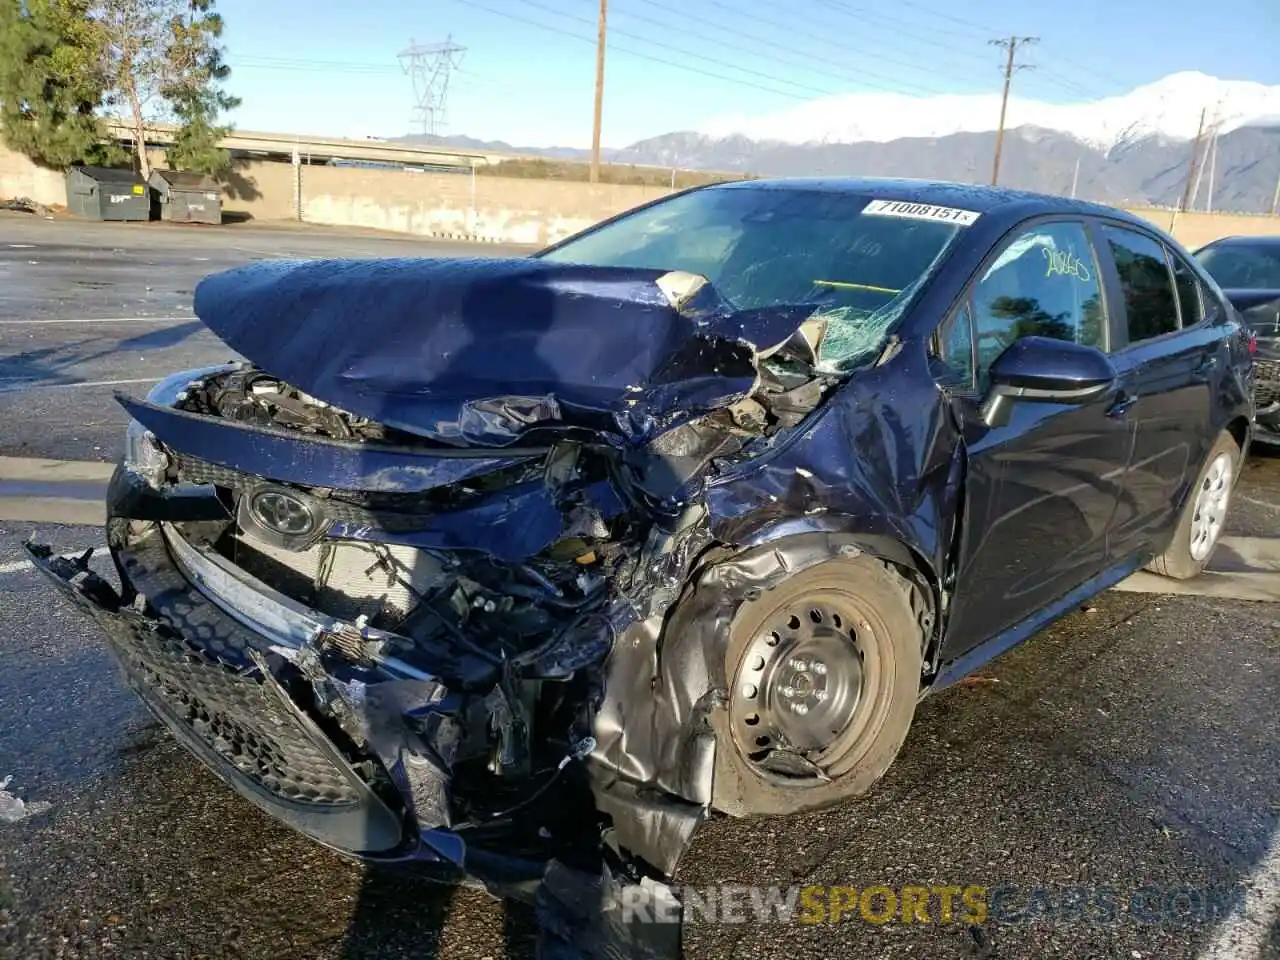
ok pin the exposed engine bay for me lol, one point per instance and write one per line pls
(525, 630)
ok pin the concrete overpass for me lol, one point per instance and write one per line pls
(281, 146)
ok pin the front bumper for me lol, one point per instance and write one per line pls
(230, 699)
(213, 685)
(234, 697)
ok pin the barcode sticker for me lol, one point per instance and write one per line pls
(920, 211)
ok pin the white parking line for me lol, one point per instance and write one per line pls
(26, 566)
(19, 386)
(1244, 934)
(11, 323)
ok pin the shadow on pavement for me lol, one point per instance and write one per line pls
(399, 916)
(51, 365)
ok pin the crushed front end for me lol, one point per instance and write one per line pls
(402, 642)
(389, 700)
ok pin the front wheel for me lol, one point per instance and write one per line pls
(824, 673)
(1203, 515)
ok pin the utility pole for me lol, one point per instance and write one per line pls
(1191, 169)
(1075, 179)
(595, 127)
(1275, 198)
(1011, 45)
(1213, 170)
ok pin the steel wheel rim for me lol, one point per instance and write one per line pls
(1209, 511)
(805, 687)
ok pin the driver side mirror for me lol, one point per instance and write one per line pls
(1041, 369)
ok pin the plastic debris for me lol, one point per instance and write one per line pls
(13, 809)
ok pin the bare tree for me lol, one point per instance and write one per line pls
(135, 61)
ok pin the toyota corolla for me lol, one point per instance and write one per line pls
(524, 566)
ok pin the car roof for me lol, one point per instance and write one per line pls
(967, 196)
(1267, 241)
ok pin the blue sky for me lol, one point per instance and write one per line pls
(329, 66)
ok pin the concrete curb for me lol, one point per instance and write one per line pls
(54, 471)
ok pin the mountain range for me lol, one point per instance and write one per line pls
(1133, 148)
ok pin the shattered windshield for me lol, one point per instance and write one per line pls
(857, 261)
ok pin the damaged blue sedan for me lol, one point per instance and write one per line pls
(521, 567)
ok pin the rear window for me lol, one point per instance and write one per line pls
(1243, 266)
(1149, 297)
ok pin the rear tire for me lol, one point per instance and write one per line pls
(823, 673)
(1203, 515)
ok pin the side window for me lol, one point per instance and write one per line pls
(955, 349)
(1045, 284)
(1188, 287)
(1146, 281)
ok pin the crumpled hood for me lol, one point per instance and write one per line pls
(481, 351)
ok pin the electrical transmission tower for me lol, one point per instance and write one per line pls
(429, 66)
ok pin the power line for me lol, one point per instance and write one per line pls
(808, 57)
(820, 91)
(843, 45)
(1111, 81)
(1011, 45)
(1070, 85)
(508, 15)
(312, 66)
(985, 31)
(862, 16)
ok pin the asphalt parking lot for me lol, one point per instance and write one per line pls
(1128, 752)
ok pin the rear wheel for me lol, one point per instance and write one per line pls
(1203, 515)
(824, 672)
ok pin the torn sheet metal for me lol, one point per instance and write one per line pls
(511, 524)
(825, 477)
(482, 351)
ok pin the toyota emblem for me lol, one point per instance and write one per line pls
(283, 513)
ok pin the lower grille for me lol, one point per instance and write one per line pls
(235, 713)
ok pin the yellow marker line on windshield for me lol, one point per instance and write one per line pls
(854, 286)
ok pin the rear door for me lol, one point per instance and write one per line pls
(1166, 354)
(1040, 491)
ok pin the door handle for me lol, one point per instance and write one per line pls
(1120, 406)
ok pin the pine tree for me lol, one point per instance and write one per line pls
(51, 82)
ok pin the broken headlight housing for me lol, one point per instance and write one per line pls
(143, 454)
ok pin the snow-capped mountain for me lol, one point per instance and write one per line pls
(1169, 107)
(1129, 149)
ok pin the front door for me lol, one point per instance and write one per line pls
(1040, 490)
